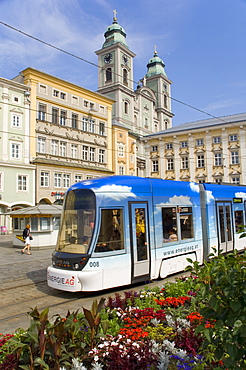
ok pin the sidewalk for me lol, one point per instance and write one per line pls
(17, 266)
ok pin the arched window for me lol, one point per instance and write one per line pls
(126, 107)
(125, 79)
(108, 74)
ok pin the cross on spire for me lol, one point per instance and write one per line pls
(115, 12)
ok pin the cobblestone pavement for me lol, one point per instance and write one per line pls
(17, 266)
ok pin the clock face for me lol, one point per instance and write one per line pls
(125, 59)
(108, 57)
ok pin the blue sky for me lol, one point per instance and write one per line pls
(202, 43)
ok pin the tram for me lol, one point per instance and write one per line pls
(120, 230)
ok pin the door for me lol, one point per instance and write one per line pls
(225, 226)
(140, 248)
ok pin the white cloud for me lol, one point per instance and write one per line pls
(179, 200)
(194, 187)
(210, 196)
(240, 195)
(116, 192)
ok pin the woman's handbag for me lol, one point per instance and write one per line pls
(30, 237)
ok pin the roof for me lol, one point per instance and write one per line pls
(235, 118)
(42, 209)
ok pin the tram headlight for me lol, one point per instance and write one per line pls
(53, 263)
(76, 266)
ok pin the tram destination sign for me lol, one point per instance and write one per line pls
(237, 200)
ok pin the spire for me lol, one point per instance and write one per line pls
(155, 65)
(115, 33)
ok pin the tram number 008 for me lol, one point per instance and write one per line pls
(94, 264)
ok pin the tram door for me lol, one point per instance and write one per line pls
(140, 248)
(225, 226)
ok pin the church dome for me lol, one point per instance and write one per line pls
(155, 66)
(115, 33)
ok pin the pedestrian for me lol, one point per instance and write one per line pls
(27, 237)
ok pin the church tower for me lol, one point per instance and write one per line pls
(115, 75)
(157, 80)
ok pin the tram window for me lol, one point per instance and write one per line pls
(169, 223)
(186, 223)
(111, 231)
(238, 219)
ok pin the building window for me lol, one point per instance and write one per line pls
(217, 140)
(92, 126)
(66, 180)
(74, 120)
(57, 180)
(62, 149)
(101, 128)
(41, 145)
(165, 101)
(233, 137)
(185, 163)
(200, 161)
(1, 181)
(184, 144)
(108, 74)
(146, 122)
(101, 155)
(235, 180)
(218, 181)
(42, 89)
(75, 100)
(125, 77)
(154, 148)
(84, 124)
(22, 183)
(16, 121)
(56, 93)
(92, 106)
(155, 166)
(92, 154)
(126, 107)
(85, 153)
(63, 117)
(218, 159)
(41, 112)
(63, 95)
(121, 170)
(86, 103)
(77, 178)
(120, 151)
(169, 146)
(55, 115)
(74, 150)
(15, 151)
(54, 147)
(234, 158)
(199, 142)
(44, 179)
(170, 164)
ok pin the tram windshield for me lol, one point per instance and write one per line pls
(77, 223)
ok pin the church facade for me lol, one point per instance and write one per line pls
(140, 108)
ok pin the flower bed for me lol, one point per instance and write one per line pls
(197, 322)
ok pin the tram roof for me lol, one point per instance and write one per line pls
(137, 185)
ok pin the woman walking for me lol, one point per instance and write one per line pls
(27, 237)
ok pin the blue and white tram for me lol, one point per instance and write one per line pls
(120, 230)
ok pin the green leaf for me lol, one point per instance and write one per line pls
(235, 305)
(207, 334)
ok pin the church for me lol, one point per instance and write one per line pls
(137, 111)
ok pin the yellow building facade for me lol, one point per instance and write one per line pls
(70, 133)
(204, 151)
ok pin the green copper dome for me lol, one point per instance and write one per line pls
(155, 66)
(115, 33)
